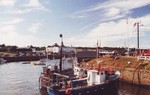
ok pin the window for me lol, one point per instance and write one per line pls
(97, 73)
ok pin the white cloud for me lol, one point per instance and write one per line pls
(121, 4)
(35, 4)
(23, 7)
(7, 2)
(12, 22)
(113, 33)
(112, 12)
(35, 27)
(111, 8)
(145, 23)
(6, 29)
(7, 26)
(13, 38)
(19, 11)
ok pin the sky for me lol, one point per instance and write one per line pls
(81, 22)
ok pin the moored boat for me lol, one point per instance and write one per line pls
(56, 80)
(77, 81)
(26, 62)
(37, 63)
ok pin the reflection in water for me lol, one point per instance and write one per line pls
(130, 89)
(23, 79)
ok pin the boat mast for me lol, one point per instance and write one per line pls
(60, 65)
(97, 50)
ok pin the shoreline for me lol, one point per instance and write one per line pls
(23, 58)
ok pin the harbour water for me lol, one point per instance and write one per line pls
(23, 79)
(19, 79)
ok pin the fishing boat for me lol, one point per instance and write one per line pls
(26, 62)
(55, 80)
(77, 81)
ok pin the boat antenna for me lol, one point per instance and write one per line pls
(60, 65)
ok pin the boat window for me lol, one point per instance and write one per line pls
(102, 73)
(97, 73)
(85, 71)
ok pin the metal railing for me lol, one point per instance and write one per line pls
(143, 57)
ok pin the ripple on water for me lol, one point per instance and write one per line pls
(19, 79)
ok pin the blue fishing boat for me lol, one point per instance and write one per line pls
(75, 80)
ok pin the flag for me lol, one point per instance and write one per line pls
(134, 24)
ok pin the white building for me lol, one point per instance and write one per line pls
(56, 49)
(38, 51)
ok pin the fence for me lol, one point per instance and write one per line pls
(143, 57)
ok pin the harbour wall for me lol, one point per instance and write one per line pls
(80, 57)
(135, 76)
(23, 58)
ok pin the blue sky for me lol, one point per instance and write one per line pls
(82, 22)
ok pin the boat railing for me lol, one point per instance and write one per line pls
(45, 81)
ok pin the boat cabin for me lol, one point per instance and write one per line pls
(80, 72)
(92, 76)
(96, 77)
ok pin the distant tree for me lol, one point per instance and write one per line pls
(3, 45)
(43, 48)
(56, 45)
(30, 46)
(13, 48)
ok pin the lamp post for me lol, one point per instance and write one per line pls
(138, 47)
(60, 65)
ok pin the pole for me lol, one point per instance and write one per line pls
(127, 37)
(97, 50)
(138, 39)
(60, 65)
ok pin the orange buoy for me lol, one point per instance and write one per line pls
(68, 91)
